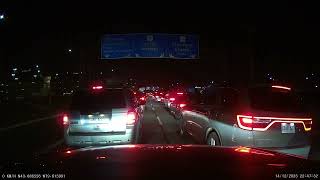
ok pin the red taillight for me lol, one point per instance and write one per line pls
(182, 105)
(142, 98)
(65, 119)
(97, 87)
(172, 99)
(131, 118)
(244, 122)
(264, 123)
(101, 157)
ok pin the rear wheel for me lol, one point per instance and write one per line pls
(213, 139)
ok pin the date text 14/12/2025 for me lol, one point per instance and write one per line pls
(296, 176)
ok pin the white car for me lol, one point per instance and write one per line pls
(102, 117)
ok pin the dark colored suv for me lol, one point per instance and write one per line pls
(271, 117)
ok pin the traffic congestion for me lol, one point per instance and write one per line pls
(264, 116)
(102, 91)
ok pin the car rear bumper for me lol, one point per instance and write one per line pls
(87, 139)
(302, 151)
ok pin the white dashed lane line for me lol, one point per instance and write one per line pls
(161, 126)
(159, 121)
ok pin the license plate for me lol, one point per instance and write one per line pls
(97, 119)
(288, 128)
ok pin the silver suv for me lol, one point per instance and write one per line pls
(102, 117)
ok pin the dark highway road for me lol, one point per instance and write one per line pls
(45, 132)
(160, 127)
(27, 135)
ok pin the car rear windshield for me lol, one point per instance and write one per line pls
(99, 101)
(270, 99)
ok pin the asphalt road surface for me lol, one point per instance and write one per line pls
(23, 134)
(43, 133)
(160, 127)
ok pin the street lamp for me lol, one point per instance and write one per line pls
(1, 17)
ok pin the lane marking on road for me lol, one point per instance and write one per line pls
(161, 127)
(27, 123)
(159, 121)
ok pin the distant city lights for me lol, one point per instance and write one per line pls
(307, 78)
(14, 69)
(2, 17)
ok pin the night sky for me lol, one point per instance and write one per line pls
(281, 38)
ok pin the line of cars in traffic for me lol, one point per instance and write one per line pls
(252, 120)
(264, 116)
